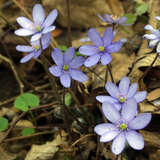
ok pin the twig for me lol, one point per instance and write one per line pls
(22, 115)
(14, 71)
(95, 74)
(69, 24)
(110, 72)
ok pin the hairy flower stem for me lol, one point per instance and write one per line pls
(69, 23)
(110, 72)
(148, 69)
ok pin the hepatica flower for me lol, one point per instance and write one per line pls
(123, 126)
(115, 20)
(35, 49)
(40, 24)
(66, 67)
(101, 48)
(121, 94)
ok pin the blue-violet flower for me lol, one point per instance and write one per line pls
(40, 24)
(66, 67)
(121, 94)
(123, 126)
(101, 48)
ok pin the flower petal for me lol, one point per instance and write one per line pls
(92, 60)
(157, 17)
(158, 48)
(140, 96)
(45, 40)
(56, 71)
(122, 20)
(108, 36)
(24, 48)
(95, 37)
(36, 37)
(106, 59)
(48, 29)
(78, 75)
(109, 99)
(149, 36)
(38, 14)
(132, 90)
(50, 18)
(57, 57)
(108, 19)
(27, 57)
(37, 53)
(77, 62)
(108, 136)
(135, 140)
(149, 27)
(114, 47)
(65, 80)
(110, 112)
(140, 122)
(100, 129)
(102, 18)
(119, 144)
(25, 23)
(153, 43)
(112, 89)
(68, 55)
(124, 85)
(88, 50)
(23, 32)
(129, 109)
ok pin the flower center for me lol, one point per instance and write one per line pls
(101, 48)
(123, 126)
(36, 47)
(122, 99)
(65, 67)
(38, 28)
(115, 17)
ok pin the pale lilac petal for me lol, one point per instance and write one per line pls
(57, 57)
(45, 40)
(157, 17)
(129, 109)
(78, 75)
(92, 60)
(50, 18)
(88, 50)
(124, 85)
(106, 58)
(119, 144)
(77, 62)
(38, 14)
(149, 27)
(150, 36)
(23, 32)
(95, 37)
(108, 36)
(118, 106)
(68, 55)
(158, 48)
(112, 89)
(108, 19)
(27, 57)
(25, 23)
(114, 47)
(132, 90)
(56, 71)
(153, 43)
(48, 29)
(109, 99)
(110, 112)
(37, 53)
(103, 19)
(140, 96)
(135, 140)
(140, 122)
(122, 20)
(65, 80)
(108, 136)
(35, 43)
(100, 129)
(23, 48)
(36, 37)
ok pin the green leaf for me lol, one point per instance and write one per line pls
(131, 18)
(26, 101)
(78, 54)
(141, 8)
(63, 48)
(3, 124)
(27, 131)
(68, 99)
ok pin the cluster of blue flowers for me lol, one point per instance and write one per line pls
(120, 108)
